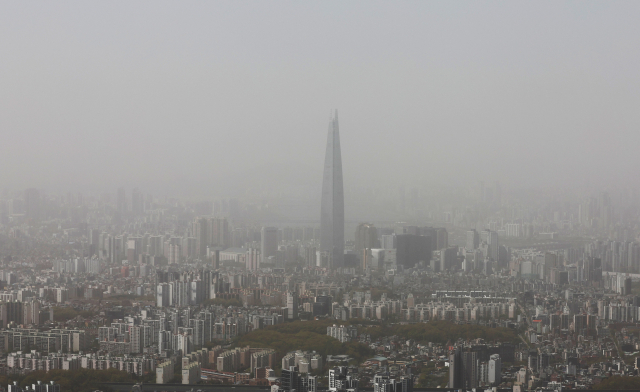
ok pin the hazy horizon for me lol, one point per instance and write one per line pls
(225, 98)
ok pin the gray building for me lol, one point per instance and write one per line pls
(473, 240)
(332, 203)
(495, 369)
(269, 243)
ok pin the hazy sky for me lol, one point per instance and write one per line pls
(197, 96)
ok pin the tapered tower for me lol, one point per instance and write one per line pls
(332, 204)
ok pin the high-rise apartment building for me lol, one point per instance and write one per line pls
(211, 232)
(292, 305)
(495, 369)
(219, 232)
(252, 259)
(201, 233)
(342, 333)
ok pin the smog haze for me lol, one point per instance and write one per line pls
(205, 99)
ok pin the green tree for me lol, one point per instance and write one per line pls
(619, 382)
(303, 335)
(80, 380)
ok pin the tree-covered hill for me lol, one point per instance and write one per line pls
(303, 335)
(619, 382)
(312, 336)
(442, 332)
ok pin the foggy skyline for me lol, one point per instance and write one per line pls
(231, 99)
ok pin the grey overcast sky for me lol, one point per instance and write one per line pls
(201, 96)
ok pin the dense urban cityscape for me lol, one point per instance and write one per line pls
(490, 294)
(330, 196)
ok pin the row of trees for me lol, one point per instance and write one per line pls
(81, 380)
(442, 331)
(619, 382)
(67, 313)
(224, 302)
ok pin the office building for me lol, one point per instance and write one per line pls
(269, 243)
(292, 305)
(463, 369)
(492, 242)
(341, 380)
(32, 204)
(366, 238)
(388, 241)
(473, 240)
(448, 259)
(332, 202)
(412, 249)
(201, 233)
(122, 202)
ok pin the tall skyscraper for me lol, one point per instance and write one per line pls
(473, 240)
(448, 258)
(332, 204)
(388, 241)
(442, 238)
(463, 369)
(411, 249)
(201, 232)
(292, 305)
(32, 203)
(456, 376)
(494, 247)
(137, 202)
(366, 237)
(470, 369)
(252, 259)
(495, 369)
(122, 202)
(219, 232)
(269, 243)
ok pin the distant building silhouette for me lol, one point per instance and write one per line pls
(332, 203)
(32, 204)
(366, 237)
(411, 249)
(122, 202)
(269, 243)
(473, 240)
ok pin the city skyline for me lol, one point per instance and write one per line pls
(173, 209)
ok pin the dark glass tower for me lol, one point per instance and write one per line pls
(332, 204)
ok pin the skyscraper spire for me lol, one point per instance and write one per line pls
(332, 203)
